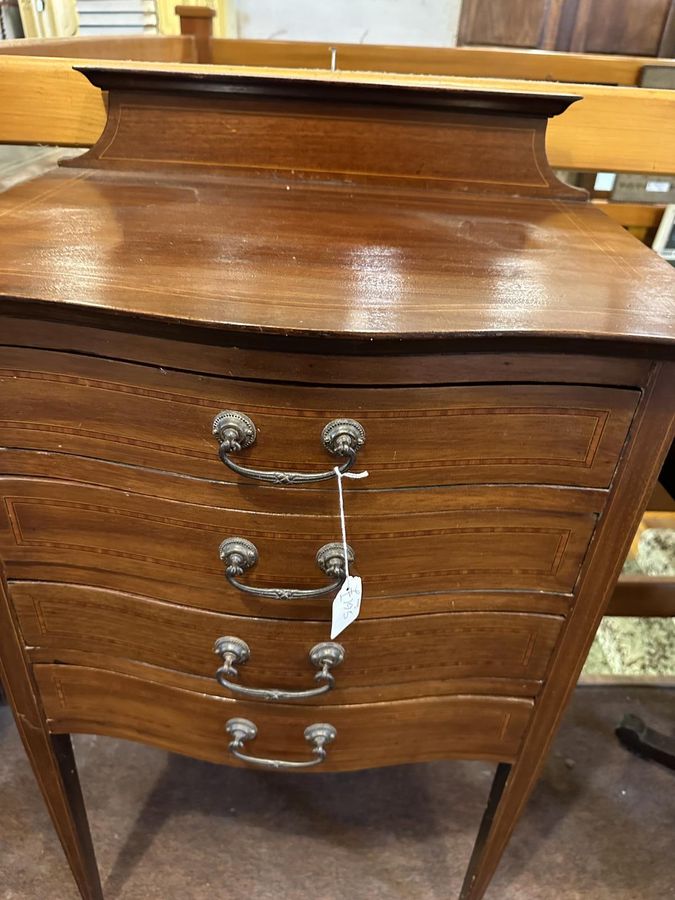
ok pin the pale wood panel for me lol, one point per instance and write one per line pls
(645, 215)
(44, 101)
(475, 62)
(151, 47)
(620, 129)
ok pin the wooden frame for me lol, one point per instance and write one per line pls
(463, 62)
(621, 129)
(472, 62)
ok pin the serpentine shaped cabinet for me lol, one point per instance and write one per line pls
(246, 283)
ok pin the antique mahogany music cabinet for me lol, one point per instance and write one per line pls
(248, 282)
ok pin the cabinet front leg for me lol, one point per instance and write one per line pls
(51, 756)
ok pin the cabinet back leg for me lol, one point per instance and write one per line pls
(480, 857)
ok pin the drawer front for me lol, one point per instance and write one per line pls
(407, 656)
(95, 701)
(59, 527)
(162, 419)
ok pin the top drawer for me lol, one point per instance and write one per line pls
(162, 419)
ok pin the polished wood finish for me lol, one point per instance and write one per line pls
(154, 297)
(434, 137)
(625, 129)
(385, 659)
(549, 434)
(652, 438)
(313, 232)
(370, 734)
(53, 526)
(248, 355)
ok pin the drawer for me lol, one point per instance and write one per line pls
(60, 531)
(96, 701)
(384, 658)
(420, 436)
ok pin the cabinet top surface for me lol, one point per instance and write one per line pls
(279, 254)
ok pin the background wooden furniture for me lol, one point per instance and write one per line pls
(627, 27)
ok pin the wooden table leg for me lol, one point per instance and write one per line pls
(51, 756)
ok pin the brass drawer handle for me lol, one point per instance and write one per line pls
(240, 555)
(242, 730)
(235, 432)
(233, 650)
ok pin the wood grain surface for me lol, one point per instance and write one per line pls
(576, 69)
(619, 129)
(416, 655)
(49, 525)
(504, 488)
(293, 361)
(162, 419)
(475, 62)
(334, 260)
(435, 138)
(372, 734)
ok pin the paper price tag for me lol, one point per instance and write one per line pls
(346, 605)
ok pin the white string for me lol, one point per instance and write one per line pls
(340, 475)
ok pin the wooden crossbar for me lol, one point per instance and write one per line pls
(620, 129)
(472, 62)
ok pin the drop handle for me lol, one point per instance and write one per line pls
(235, 432)
(233, 650)
(239, 555)
(318, 735)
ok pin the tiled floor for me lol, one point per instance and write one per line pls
(599, 826)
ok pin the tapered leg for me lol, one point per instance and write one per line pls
(652, 436)
(478, 854)
(51, 756)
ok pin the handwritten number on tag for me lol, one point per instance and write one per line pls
(346, 605)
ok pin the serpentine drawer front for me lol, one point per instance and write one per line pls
(200, 353)
(162, 419)
(78, 698)
(140, 542)
(416, 655)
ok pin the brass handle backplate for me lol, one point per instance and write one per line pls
(235, 431)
